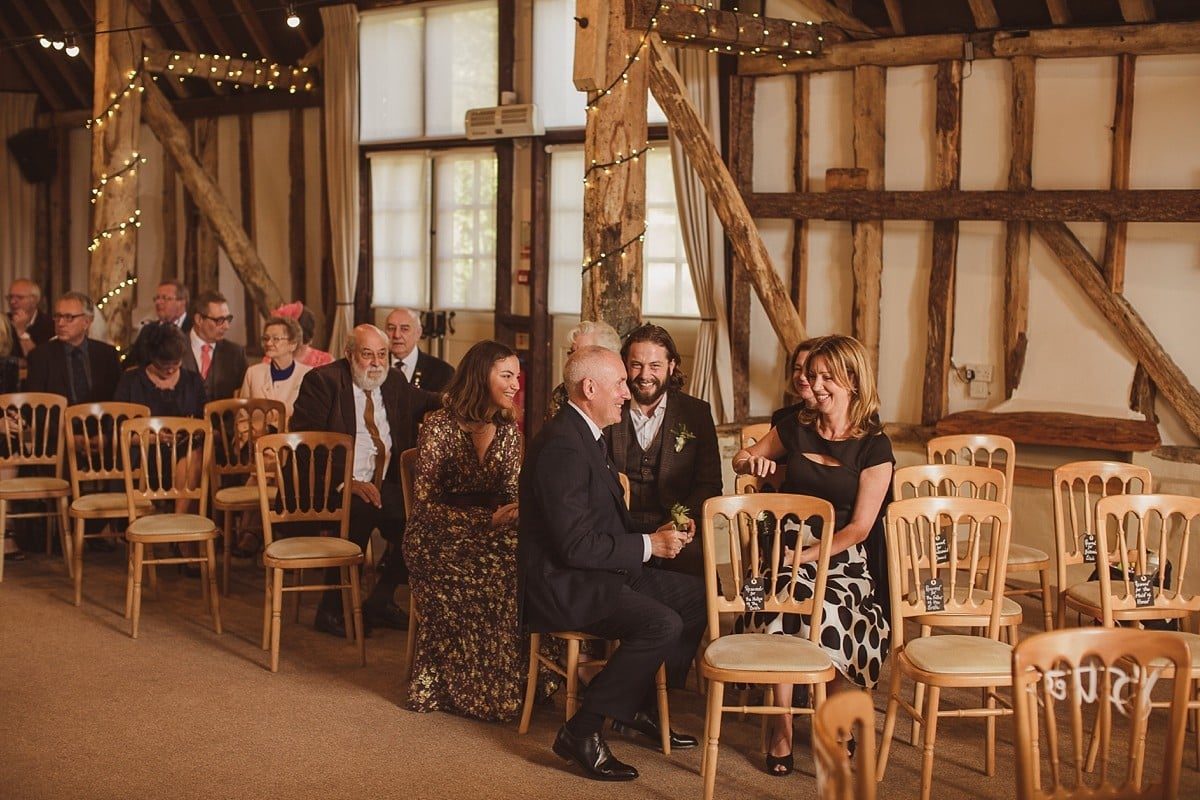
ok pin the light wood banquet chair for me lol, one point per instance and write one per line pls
(759, 658)
(1091, 688)
(999, 452)
(311, 475)
(408, 467)
(94, 456)
(1077, 488)
(845, 715)
(926, 590)
(32, 436)
(165, 460)
(753, 433)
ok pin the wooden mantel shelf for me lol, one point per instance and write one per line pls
(1058, 429)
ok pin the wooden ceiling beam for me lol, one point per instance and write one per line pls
(1060, 12)
(152, 39)
(851, 25)
(58, 58)
(45, 88)
(241, 71)
(177, 16)
(216, 32)
(1137, 10)
(64, 18)
(254, 25)
(726, 31)
(895, 16)
(984, 14)
(196, 107)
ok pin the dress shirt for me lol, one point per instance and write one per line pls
(198, 349)
(364, 448)
(646, 427)
(408, 364)
(647, 550)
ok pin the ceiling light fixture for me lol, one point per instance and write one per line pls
(293, 19)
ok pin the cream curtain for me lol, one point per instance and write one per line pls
(340, 79)
(704, 242)
(18, 199)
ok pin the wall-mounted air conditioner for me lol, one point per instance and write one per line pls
(504, 122)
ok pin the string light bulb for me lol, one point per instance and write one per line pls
(293, 19)
(72, 47)
(44, 42)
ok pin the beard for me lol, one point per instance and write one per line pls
(365, 380)
(647, 396)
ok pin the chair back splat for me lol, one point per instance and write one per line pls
(844, 716)
(167, 459)
(312, 476)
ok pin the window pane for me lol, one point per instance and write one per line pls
(390, 74)
(566, 231)
(465, 265)
(461, 64)
(399, 229)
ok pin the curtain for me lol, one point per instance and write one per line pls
(340, 78)
(704, 242)
(18, 199)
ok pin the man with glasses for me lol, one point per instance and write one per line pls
(29, 324)
(170, 307)
(81, 369)
(220, 362)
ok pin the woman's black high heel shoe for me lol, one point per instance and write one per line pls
(780, 766)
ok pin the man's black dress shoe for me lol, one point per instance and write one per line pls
(591, 753)
(386, 615)
(331, 622)
(647, 726)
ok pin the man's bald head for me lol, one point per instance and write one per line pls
(594, 378)
(367, 352)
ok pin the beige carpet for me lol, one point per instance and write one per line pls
(87, 712)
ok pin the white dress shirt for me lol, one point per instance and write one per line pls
(408, 364)
(646, 427)
(647, 550)
(364, 448)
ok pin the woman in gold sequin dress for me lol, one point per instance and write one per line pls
(461, 544)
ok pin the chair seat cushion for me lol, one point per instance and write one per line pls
(1193, 643)
(952, 654)
(300, 547)
(766, 652)
(1020, 555)
(171, 525)
(107, 501)
(1088, 594)
(12, 487)
(1008, 611)
(241, 495)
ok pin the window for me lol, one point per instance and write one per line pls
(666, 282)
(451, 263)
(422, 68)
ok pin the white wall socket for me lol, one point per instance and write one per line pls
(978, 390)
(979, 372)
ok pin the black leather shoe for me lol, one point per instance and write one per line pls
(386, 615)
(331, 622)
(591, 753)
(647, 726)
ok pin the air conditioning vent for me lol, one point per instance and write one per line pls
(504, 122)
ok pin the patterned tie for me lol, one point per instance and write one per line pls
(205, 360)
(373, 429)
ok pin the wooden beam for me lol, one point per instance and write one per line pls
(740, 32)
(851, 25)
(246, 211)
(866, 257)
(1162, 38)
(1181, 455)
(1016, 233)
(1056, 429)
(60, 216)
(207, 194)
(228, 69)
(212, 23)
(254, 25)
(799, 277)
(151, 38)
(1044, 205)
(740, 152)
(1060, 12)
(179, 17)
(297, 241)
(207, 269)
(984, 14)
(1143, 394)
(170, 222)
(671, 94)
(935, 397)
(1173, 383)
(895, 16)
(541, 377)
(1137, 10)
(1122, 130)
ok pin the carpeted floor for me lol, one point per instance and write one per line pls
(87, 712)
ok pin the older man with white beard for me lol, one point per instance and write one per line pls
(361, 396)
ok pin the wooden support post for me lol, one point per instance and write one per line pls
(1122, 129)
(60, 224)
(113, 141)
(207, 269)
(614, 200)
(1172, 383)
(170, 222)
(297, 240)
(1143, 394)
(866, 260)
(935, 402)
(1016, 233)
(246, 171)
(207, 194)
(895, 16)
(740, 154)
(984, 14)
(1137, 10)
(541, 376)
(799, 278)
(671, 94)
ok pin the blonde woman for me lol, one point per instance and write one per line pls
(279, 377)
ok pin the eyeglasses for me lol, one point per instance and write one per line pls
(275, 339)
(66, 317)
(12, 297)
(227, 319)
(165, 298)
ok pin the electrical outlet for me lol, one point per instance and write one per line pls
(979, 372)
(979, 390)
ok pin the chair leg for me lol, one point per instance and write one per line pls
(712, 733)
(572, 677)
(266, 629)
(664, 711)
(347, 613)
(137, 588)
(889, 722)
(77, 576)
(296, 606)
(65, 538)
(410, 640)
(1047, 608)
(535, 646)
(3, 531)
(918, 703)
(128, 579)
(276, 609)
(214, 597)
(226, 552)
(931, 719)
(989, 754)
(49, 535)
(356, 603)
(151, 570)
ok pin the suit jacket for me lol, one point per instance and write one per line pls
(326, 403)
(430, 373)
(50, 372)
(689, 476)
(42, 329)
(227, 371)
(575, 545)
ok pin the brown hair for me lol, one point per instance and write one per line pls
(851, 367)
(468, 398)
(655, 334)
(789, 369)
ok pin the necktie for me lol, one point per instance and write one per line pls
(79, 378)
(205, 360)
(373, 430)
(603, 445)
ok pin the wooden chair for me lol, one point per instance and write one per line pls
(845, 715)
(1078, 487)
(236, 424)
(308, 489)
(165, 459)
(919, 585)
(753, 433)
(1060, 676)
(408, 467)
(94, 456)
(999, 452)
(32, 436)
(760, 658)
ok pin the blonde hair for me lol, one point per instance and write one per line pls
(850, 366)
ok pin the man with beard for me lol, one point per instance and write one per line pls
(361, 396)
(665, 443)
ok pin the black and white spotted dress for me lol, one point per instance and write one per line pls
(854, 621)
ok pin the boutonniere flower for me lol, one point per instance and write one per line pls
(416, 379)
(682, 435)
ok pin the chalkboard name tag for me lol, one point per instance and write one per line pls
(1143, 590)
(941, 548)
(754, 594)
(935, 595)
(1089, 548)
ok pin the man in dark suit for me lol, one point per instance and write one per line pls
(583, 568)
(81, 369)
(220, 362)
(30, 325)
(170, 306)
(665, 443)
(403, 327)
(361, 396)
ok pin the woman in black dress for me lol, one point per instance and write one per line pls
(161, 383)
(836, 450)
